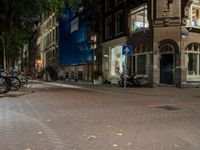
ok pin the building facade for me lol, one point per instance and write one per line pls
(165, 35)
(48, 56)
(78, 37)
(115, 31)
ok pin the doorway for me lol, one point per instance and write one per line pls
(166, 68)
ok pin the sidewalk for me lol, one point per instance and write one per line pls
(168, 91)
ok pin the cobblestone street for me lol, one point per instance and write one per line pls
(74, 117)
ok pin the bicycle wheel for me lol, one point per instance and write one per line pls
(5, 85)
(15, 83)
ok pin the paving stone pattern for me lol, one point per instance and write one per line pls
(56, 118)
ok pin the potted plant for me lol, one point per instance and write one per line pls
(97, 77)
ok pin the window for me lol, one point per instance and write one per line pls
(117, 2)
(119, 22)
(138, 19)
(194, 16)
(140, 60)
(108, 27)
(117, 61)
(193, 59)
(166, 49)
(108, 4)
(192, 64)
(141, 64)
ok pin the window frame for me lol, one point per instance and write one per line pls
(117, 2)
(135, 63)
(189, 20)
(107, 36)
(107, 7)
(143, 7)
(112, 66)
(193, 51)
(116, 23)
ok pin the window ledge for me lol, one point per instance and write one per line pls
(193, 28)
(120, 33)
(137, 32)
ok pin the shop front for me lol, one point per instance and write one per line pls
(113, 60)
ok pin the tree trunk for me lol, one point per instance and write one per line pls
(4, 51)
(6, 40)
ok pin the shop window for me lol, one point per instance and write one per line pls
(193, 59)
(117, 61)
(119, 22)
(108, 27)
(138, 19)
(194, 17)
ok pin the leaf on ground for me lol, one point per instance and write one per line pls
(91, 137)
(39, 132)
(119, 134)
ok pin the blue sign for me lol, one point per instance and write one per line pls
(127, 50)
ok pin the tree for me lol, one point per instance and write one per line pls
(17, 19)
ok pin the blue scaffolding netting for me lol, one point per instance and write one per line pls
(74, 47)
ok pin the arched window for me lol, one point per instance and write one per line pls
(193, 59)
(166, 48)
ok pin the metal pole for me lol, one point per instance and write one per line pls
(125, 72)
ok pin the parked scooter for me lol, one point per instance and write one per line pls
(130, 81)
(134, 81)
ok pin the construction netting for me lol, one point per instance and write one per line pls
(74, 47)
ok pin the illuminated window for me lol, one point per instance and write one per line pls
(117, 61)
(138, 19)
(194, 17)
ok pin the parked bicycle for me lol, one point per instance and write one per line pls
(5, 84)
(15, 83)
(25, 79)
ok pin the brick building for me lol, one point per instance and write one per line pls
(165, 35)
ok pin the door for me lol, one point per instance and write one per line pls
(166, 68)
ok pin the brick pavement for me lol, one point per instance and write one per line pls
(100, 118)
